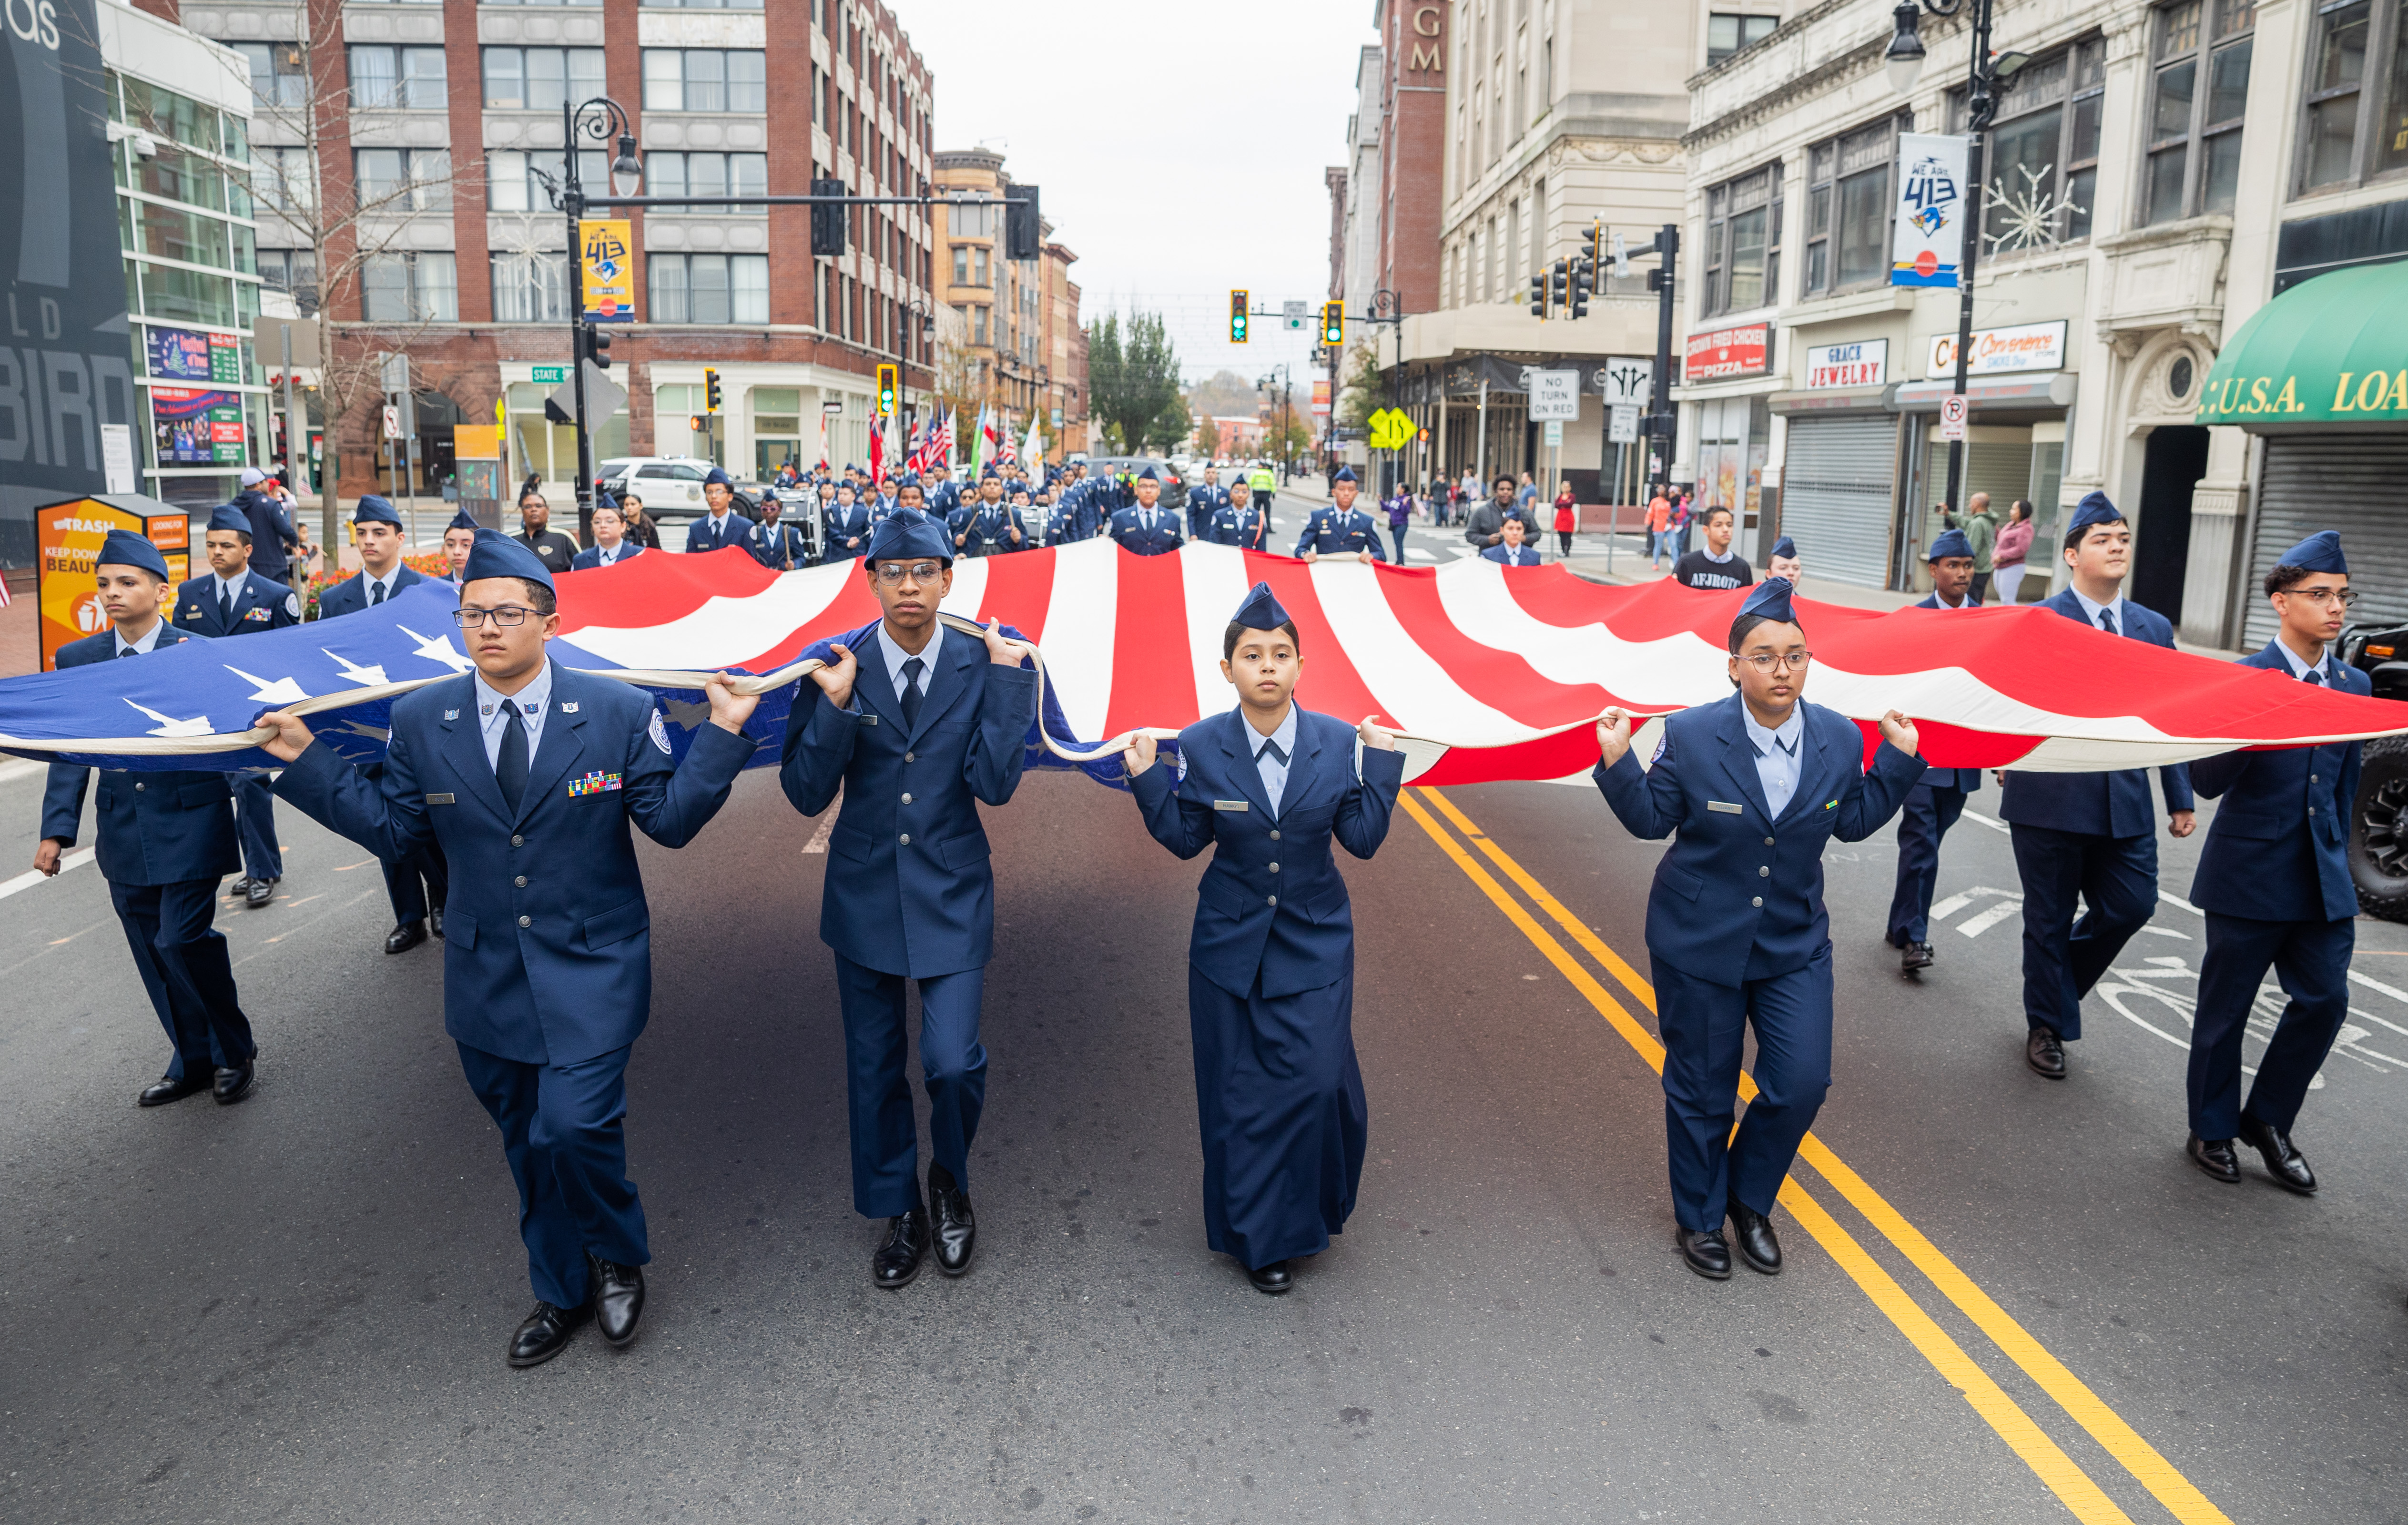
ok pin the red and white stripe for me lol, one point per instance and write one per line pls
(1491, 674)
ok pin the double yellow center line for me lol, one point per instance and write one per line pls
(2064, 1477)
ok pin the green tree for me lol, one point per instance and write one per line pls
(1208, 437)
(1133, 381)
(1170, 427)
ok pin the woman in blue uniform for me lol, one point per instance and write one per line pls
(1270, 963)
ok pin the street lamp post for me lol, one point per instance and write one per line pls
(599, 118)
(1988, 76)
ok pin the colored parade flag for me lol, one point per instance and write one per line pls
(1033, 454)
(941, 438)
(1488, 672)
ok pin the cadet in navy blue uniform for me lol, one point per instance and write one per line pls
(2274, 882)
(2087, 833)
(1086, 505)
(778, 546)
(415, 886)
(233, 600)
(941, 495)
(723, 526)
(1511, 551)
(1783, 560)
(918, 725)
(530, 775)
(1205, 499)
(1270, 962)
(610, 545)
(848, 526)
(271, 528)
(1144, 529)
(1342, 530)
(1754, 787)
(459, 538)
(1938, 799)
(165, 842)
(1245, 523)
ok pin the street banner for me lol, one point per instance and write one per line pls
(607, 245)
(1930, 242)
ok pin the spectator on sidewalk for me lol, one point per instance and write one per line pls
(1660, 529)
(1566, 517)
(1981, 528)
(1717, 565)
(2012, 545)
(1400, 514)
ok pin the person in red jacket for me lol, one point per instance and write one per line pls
(1566, 517)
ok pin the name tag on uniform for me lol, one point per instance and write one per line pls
(1229, 804)
(1726, 807)
(868, 719)
(441, 799)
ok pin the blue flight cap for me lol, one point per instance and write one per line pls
(1770, 599)
(123, 548)
(604, 500)
(1785, 547)
(720, 477)
(461, 520)
(1261, 610)
(907, 535)
(2094, 508)
(1345, 473)
(1951, 543)
(374, 510)
(495, 555)
(990, 471)
(2319, 552)
(226, 516)
(1147, 475)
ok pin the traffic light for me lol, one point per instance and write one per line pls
(886, 392)
(1538, 296)
(1560, 284)
(827, 220)
(1584, 283)
(1237, 317)
(1024, 236)
(1333, 324)
(597, 347)
(710, 391)
(1593, 245)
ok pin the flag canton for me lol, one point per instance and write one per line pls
(593, 783)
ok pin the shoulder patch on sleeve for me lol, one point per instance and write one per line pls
(293, 605)
(660, 734)
(1663, 742)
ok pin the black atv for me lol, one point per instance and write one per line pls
(2378, 838)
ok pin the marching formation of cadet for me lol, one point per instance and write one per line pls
(1938, 799)
(235, 600)
(1342, 530)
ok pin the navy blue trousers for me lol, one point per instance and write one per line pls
(255, 805)
(564, 1133)
(1705, 1033)
(415, 883)
(1279, 1101)
(183, 960)
(952, 1064)
(2064, 957)
(2311, 959)
(1922, 821)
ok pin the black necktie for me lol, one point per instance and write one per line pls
(2107, 621)
(127, 651)
(376, 593)
(1272, 748)
(2313, 675)
(912, 694)
(510, 769)
(225, 604)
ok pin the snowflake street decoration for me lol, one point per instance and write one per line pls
(2030, 217)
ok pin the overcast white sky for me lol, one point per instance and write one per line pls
(1179, 149)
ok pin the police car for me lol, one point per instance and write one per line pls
(2378, 834)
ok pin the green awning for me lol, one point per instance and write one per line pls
(2333, 350)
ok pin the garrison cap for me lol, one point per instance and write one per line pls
(2319, 552)
(719, 477)
(1261, 610)
(1148, 475)
(1785, 547)
(1769, 599)
(2094, 508)
(373, 509)
(226, 516)
(1345, 473)
(123, 548)
(908, 534)
(460, 521)
(495, 555)
(1950, 542)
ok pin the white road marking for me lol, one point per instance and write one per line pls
(75, 860)
(1977, 815)
(1982, 920)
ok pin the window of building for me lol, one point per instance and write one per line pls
(705, 80)
(961, 265)
(389, 181)
(979, 325)
(406, 78)
(708, 175)
(1742, 263)
(512, 185)
(541, 78)
(976, 219)
(284, 179)
(548, 2)
(277, 76)
(1726, 35)
(182, 177)
(2357, 125)
(1848, 209)
(2199, 94)
(532, 287)
(708, 5)
(2043, 149)
(293, 271)
(173, 234)
(708, 288)
(409, 288)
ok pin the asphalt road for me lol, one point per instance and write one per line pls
(2006, 1297)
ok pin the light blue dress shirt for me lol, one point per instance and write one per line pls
(1776, 757)
(895, 656)
(534, 702)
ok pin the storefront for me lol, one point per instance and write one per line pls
(2021, 396)
(1839, 475)
(1728, 384)
(2316, 375)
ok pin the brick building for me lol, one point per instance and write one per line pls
(1025, 352)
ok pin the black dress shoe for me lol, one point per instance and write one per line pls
(896, 1264)
(405, 935)
(240, 887)
(167, 1089)
(1757, 1244)
(1273, 1279)
(616, 1293)
(956, 1229)
(545, 1333)
(2283, 1162)
(234, 1083)
(1914, 957)
(435, 921)
(2045, 1053)
(258, 892)
(1708, 1253)
(2214, 1157)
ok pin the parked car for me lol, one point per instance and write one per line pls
(669, 483)
(2378, 817)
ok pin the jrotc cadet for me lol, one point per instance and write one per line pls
(778, 546)
(2274, 882)
(233, 600)
(165, 839)
(529, 774)
(1343, 530)
(1014, 533)
(1782, 560)
(1736, 932)
(980, 516)
(723, 526)
(2087, 834)
(1510, 551)
(824, 503)
(459, 538)
(1144, 529)
(941, 494)
(888, 497)
(1938, 799)
(610, 545)
(918, 727)
(848, 526)
(1270, 961)
(273, 534)
(1205, 499)
(415, 886)
(1242, 523)
(1085, 505)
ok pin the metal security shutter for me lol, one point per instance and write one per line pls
(2348, 483)
(1836, 484)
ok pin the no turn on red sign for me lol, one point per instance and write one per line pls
(1953, 410)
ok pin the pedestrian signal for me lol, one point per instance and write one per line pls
(710, 391)
(886, 392)
(1237, 317)
(697, 424)
(1333, 324)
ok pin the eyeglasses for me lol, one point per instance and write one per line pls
(507, 616)
(2321, 596)
(1766, 661)
(891, 572)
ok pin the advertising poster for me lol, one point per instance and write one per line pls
(607, 247)
(1717, 354)
(1931, 210)
(70, 536)
(197, 427)
(190, 355)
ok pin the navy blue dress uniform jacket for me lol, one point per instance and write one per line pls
(271, 531)
(590, 559)
(351, 595)
(1967, 779)
(844, 524)
(1330, 533)
(1134, 537)
(1734, 878)
(1524, 554)
(260, 603)
(780, 547)
(990, 531)
(2257, 862)
(2100, 804)
(702, 535)
(1202, 504)
(1087, 514)
(909, 890)
(1292, 926)
(154, 829)
(1249, 530)
(547, 954)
